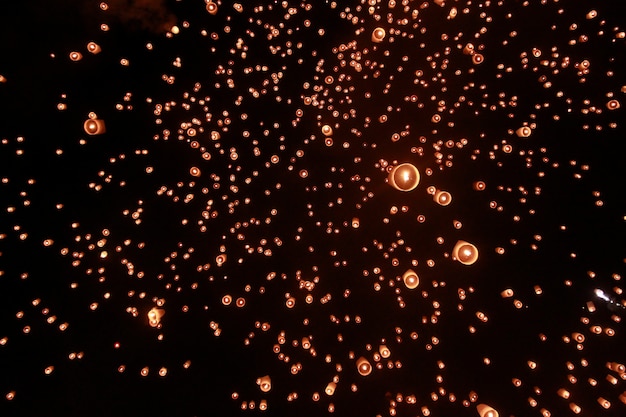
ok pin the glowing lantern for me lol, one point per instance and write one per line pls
(94, 48)
(211, 7)
(378, 35)
(465, 252)
(76, 56)
(363, 366)
(384, 351)
(523, 132)
(330, 388)
(264, 383)
(443, 198)
(486, 411)
(94, 126)
(411, 280)
(327, 130)
(477, 59)
(356, 222)
(154, 316)
(404, 177)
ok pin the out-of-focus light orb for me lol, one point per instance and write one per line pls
(94, 126)
(384, 351)
(76, 56)
(411, 280)
(211, 7)
(465, 252)
(443, 198)
(480, 186)
(486, 411)
(378, 35)
(155, 315)
(523, 132)
(264, 383)
(363, 366)
(330, 388)
(94, 48)
(404, 177)
(478, 59)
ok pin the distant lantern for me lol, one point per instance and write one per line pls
(154, 316)
(94, 48)
(327, 130)
(76, 56)
(330, 388)
(94, 126)
(486, 411)
(523, 132)
(211, 7)
(363, 366)
(384, 351)
(411, 280)
(477, 59)
(404, 177)
(465, 252)
(264, 383)
(378, 35)
(443, 198)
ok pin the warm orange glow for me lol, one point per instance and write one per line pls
(486, 411)
(404, 177)
(154, 316)
(411, 280)
(523, 132)
(443, 198)
(94, 126)
(211, 7)
(264, 383)
(378, 35)
(465, 252)
(363, 366)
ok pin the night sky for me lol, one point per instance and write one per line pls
(204, 210)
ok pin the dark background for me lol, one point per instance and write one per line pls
(35, 41)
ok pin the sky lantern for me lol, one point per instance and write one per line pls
(264, 383)
(443, 198)
(465, 252)
(94, 126)
(378, 35)
(155, 315)
(363, 366)
(485, 410)
(404, 177)
(411, 280)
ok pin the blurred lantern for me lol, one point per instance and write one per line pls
(155, 315)
(363, 366)
(404, 177)
(486, 411)
(94, 126)
(378, 35)
(523, 132)
(443, 198)
(94, 48)
(411, 280)
(465, 252)
(264, 383)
